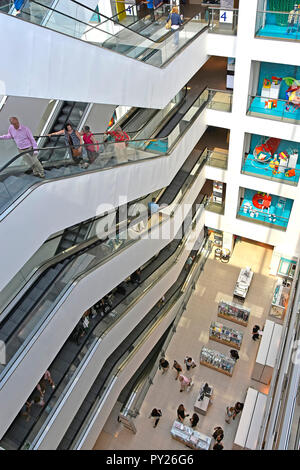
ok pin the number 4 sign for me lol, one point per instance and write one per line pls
(226, 16)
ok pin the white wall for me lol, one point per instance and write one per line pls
(99, 117)
(56, 205)
(42, 348)
(249, 49)
(48, 69)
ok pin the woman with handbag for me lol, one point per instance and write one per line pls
(174, 22)
(73, 141)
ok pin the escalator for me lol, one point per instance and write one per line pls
(71, 353)
(142, 42)
(58, 164)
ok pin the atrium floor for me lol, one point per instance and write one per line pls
(216, 283)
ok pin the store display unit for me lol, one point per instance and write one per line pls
(233, 312)
(204, 399)
(188, 436)
(243, 283)
(217, 361)
(280, 298)
(267, 352)
(222, 334)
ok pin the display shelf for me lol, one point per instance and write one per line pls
(228, 336)
(217, 361)
(267, 352)
(188, 436)
(280, 298)
(243, 283)
(233, 312)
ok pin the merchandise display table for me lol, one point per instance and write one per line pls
(233, 312)
(217, 361)
(250, 422)
(201, 406)
(222, 334)
(188, 436)
(267, 352)
(243, 283)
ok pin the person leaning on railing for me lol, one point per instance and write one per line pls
(73, 141)
(24, 140)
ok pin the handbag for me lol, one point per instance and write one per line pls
(169, 24)
(75, 152)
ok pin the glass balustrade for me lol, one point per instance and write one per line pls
(280, 25)
(219, 100)
(275, 109)
(222, 20)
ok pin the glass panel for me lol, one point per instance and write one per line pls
(218, 158)
(220, 100)
(276, 109)
(222, 20)
(280, 25)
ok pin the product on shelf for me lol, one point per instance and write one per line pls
(216, 360)
(223, 334)
(233, 312)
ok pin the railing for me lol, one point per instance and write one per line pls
(282, 110)
(217, 158)
(79, 267)
(280, 25)
(260, 217)
(252, 166)
(101, 330)
(215, 207)
(222, 20)
(219, 100)
(132, 44)
(108, 155)
(181, 297)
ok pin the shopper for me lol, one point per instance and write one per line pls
(48, 378)
(41, 387)
(18, 6)
(163, 364)
(135, 277)
(229, 414)
(176, 22)
(120, 138)
(234, 354)
(26, 411)
(150, 7)
(218, 446)
(178, 368)
(156, 414)
(26, 143)
(73, 141)
(189, 262)
(189, 363)
(181, 413)
(238, 407)
(153, 207)
(194, 420)
(39, 400)
(255, 331)
(185, 383)
(90, 144)
(218, 434)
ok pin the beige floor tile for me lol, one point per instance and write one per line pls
(216, 283)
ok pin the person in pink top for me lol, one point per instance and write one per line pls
(184, 382)
(25, 142)
(88, 138)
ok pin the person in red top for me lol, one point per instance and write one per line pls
(88, 138)
(119, 137)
